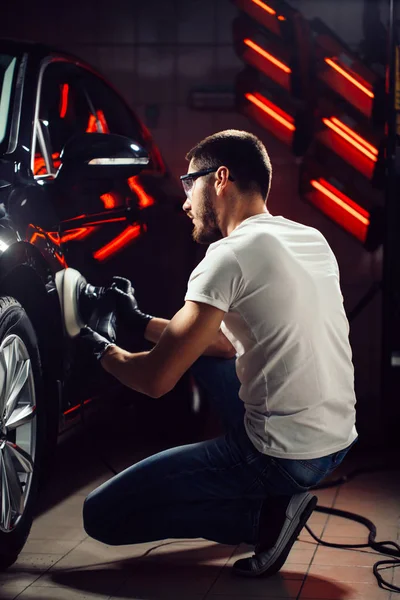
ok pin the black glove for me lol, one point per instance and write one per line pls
(127, 307)
(103, 319)
(101, 330)
(94, 343)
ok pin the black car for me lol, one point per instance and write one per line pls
(82, 185)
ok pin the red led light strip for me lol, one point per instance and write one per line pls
(271, 110)
(344, 202)
(353, 138)
(349, 77)
(265, 7)
(267, 55)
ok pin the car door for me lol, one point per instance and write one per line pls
(91, 213)
(162, 256)
(132, 226)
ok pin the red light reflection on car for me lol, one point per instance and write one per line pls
(144, 198)
(123, 239)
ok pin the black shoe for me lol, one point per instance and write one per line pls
(281, 521)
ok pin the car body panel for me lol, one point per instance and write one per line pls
(133, 227)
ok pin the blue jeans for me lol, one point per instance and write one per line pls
(212, 489)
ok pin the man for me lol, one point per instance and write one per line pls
(271, 287)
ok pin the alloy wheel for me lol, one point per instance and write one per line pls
(17, 430)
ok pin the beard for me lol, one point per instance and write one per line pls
(208, 231)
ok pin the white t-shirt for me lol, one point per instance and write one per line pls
(278, 283)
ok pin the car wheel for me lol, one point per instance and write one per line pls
(21, 427)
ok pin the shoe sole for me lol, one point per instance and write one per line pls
(268, 571)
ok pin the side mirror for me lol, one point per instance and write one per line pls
(101, 155)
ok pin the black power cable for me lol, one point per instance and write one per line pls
(381, 547)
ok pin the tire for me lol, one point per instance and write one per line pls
(22, 427)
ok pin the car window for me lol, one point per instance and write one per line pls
(73, 100)
(113, 113)
(64, 111)
(110, 109)
(7, 70)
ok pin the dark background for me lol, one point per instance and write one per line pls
(155, 52)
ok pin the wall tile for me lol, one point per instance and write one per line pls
(228, 64)
(157, 22)
(156, 74)
(164, 133)
(226, 11)
(117, 64)
(197, 22)
(195, 68)
(115, 23)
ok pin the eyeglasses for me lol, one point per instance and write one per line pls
(189, 179)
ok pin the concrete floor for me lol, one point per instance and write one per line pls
(59, 562)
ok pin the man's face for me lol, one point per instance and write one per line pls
(199, 206)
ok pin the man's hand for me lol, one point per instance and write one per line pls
(100, 333)
(132, 318)
(103, 319)
(183, 340)
(94, 343)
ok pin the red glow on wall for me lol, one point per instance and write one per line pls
(349, 77)
(109, 200)
(261, 12)
(265, 7)
(272, 110)
(144, 198)
(339, 207)
(352, 138)
(119, 242)
(64, 100)
(356, 137)
(267, 55)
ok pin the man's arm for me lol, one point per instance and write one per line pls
(219, 347)
(186, 337)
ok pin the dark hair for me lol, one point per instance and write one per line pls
(243, 153)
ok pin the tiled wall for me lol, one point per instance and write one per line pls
(155, 52)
